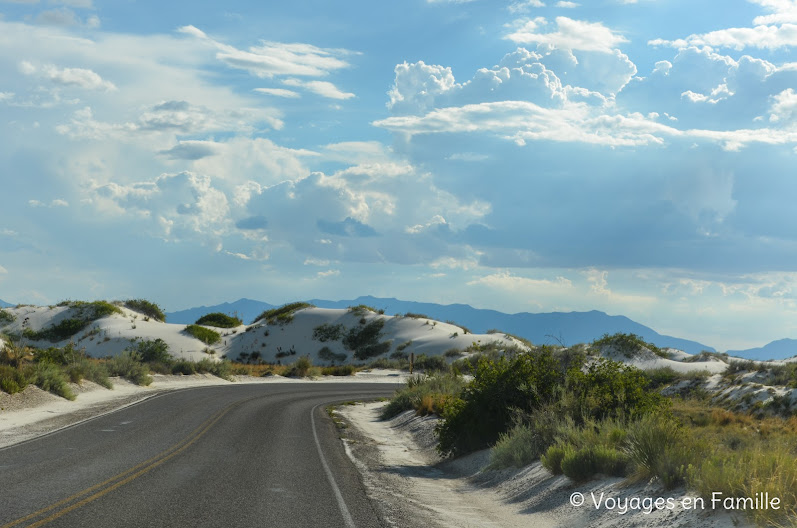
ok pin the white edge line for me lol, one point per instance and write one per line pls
(344, 510)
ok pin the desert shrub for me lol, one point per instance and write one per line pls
(340, 370)
(328, 332)
(527, 440)
(206, 335)
(6, 317)
(453, 353)
(326, 354)
(184, 367)
(51, 378)
(416, 315)
(152, 351)
(361, 310)
(147, 308)
(706, 355)
(301, 367)
(92, 370)
(484, 409)
(612, 389)
(438, 389)
(627, 344)
(662, 376)
(364, 341)
(15, 355)
(554, 455)
(653, 445)
(129, 366)
(12, 379)
(585, 462)
(431, 363)
(283, 314)
(385, 363)
(85, 314)
(465, 329)
(219, 320)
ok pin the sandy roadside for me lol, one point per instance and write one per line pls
(413, 487)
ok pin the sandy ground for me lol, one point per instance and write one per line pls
(34, 412)
(415, 488)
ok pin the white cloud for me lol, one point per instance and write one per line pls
(3, 271)
(271, 59)
(416, 86)
(81, 77)
(782, 11)
(322, 88)
(525, 5)
(663, 67)
(279, 92)
(569, 34)
(58, 202)
(567, 5)
(328, 273)
(784, 106)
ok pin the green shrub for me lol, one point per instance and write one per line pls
(283, 314)
(364, 341)
(416, 315)
(361, 310)
(152, 351)
(6, 317)
(206, 335)
(453, 353)
(51, 378)
(219, 320)
(300, 367)
(147, 308)
(85, 314)
(654, 444)
(84, 368)
(627, 344)
(613, 389)
(328, 332)
(12, 379)
(339, 370)
(438, 389)
(554, 455)
(484, 411)
(129, 366)
(326, 354)
(431, 363)
(527, 441)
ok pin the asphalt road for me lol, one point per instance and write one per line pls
(238, 455)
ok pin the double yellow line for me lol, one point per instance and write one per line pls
(117, 481)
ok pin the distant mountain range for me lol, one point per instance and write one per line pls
(4, 304)
(551, 328)
(780, 349)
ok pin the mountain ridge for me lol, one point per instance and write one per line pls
(566, 328)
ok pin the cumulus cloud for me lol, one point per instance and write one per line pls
(190, 150)
(784, 106)
(569, 34)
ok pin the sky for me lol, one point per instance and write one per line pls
(631, 156)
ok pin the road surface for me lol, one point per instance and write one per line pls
(227, 456)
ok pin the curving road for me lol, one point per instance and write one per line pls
(239, 455)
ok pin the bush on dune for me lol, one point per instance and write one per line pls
(147, 308)
(206, 335)
(219, 320)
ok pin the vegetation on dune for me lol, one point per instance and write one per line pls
(327, 354)
(283, 314)
(206, 335)
(85, 313)
(328, 332)
(147, 308)
(364, 340)
(627, 344)
(363, 309)
(582, 416)
(6, 317)
(219, 320)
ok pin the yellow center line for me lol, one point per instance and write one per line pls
(146, 465)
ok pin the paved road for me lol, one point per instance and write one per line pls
(239, 455)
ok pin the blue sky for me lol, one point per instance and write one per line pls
(635, 157)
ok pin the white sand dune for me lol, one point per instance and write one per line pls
(111, 335)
